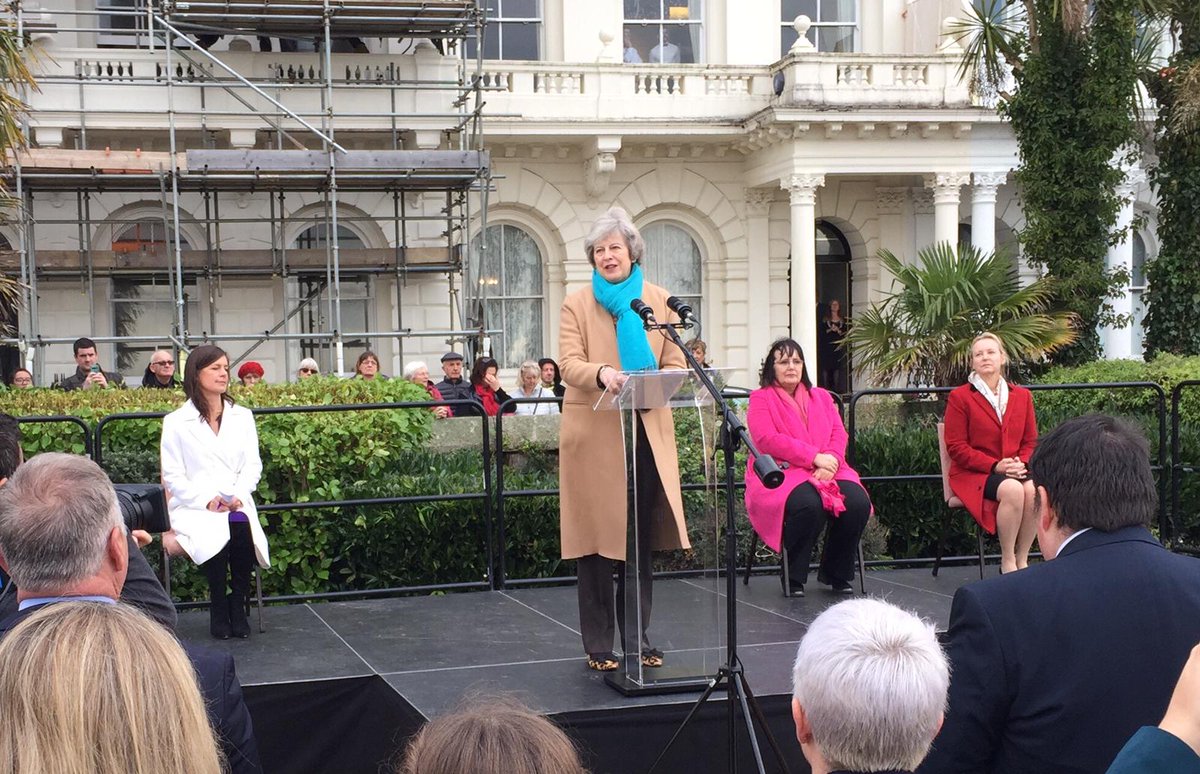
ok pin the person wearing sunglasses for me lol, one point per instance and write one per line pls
(160, 373)
(308, 367)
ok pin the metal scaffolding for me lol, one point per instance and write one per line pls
(296, 150)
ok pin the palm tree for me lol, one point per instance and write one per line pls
(923, 331)
(14, 77)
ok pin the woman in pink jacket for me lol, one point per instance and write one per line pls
(799, 425)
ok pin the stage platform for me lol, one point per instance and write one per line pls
(339, 686)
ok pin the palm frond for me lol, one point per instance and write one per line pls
(990, 36)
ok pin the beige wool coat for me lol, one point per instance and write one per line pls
(591, 450)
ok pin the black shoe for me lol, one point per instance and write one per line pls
(218, 622)
(795, 590)
(837, 586)
(239, 625)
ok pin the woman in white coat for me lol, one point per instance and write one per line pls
(210, 466)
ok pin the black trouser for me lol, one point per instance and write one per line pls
(597, 605)
(803, 519)
(234, 561)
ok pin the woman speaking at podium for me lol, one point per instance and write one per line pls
(601, 338)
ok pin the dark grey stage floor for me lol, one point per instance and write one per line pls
(436, 650)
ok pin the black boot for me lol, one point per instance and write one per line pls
(239, 624)
(218, 613)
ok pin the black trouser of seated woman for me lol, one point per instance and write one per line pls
(803, 520)
(227, 612)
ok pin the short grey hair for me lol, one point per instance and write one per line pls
(530, 366)
(56, 514)
(615, 221)
(308, 362)
(872, 680)
(414, 366)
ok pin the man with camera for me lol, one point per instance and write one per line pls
(88, 373)
(62, 537)
(142, 588)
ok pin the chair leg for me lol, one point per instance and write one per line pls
(750, 558)
(979, 535)
(258, 596)
(941, 546)
(862, 570)
(787, 579)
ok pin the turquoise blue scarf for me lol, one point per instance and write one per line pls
(632, 345)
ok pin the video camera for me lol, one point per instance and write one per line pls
(143, 506)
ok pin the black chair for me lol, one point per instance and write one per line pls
(171, 547)
(783, 559)
(952, 504)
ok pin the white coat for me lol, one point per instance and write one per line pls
(198, 465)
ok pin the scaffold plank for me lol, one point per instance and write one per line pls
(264, 261)
(428, 18)
(118, 162)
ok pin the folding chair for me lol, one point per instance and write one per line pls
(171, 547)
(783, 558)
(952, 504)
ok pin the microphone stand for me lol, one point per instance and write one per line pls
(731, 675)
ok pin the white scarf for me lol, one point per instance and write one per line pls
(998, 399)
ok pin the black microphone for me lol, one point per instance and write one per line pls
(645, 312)
(686, 315)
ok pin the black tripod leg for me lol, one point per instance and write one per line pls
(739, 680)
(722, 676)
(747, 696)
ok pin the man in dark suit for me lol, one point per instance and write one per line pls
(62, 538)
(1055, 666)
(142, 588)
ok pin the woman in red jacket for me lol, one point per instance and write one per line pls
(990, 433)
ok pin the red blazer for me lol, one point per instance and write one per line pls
(976, 440)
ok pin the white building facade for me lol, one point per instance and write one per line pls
(764, 167)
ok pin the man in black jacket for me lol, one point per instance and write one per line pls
(454, 386)
(87, 373)
(62, 538)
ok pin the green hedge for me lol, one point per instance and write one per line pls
(373, 454)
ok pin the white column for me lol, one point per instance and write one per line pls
(1118, 342)
(894, 234)
(803, 191)
(758, 276)
(945, 187)
(983, 209)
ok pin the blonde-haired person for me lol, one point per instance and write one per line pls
(491, 736)
(529, 385)
(141, 708)
(991, 432)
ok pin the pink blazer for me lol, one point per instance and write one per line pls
(777, 430)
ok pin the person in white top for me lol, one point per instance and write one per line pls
(529, 386)
(211, 467)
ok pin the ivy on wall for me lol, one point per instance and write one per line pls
(1073, 115)
(1173, 318)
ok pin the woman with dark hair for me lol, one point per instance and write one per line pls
(799, 425)
(487, 386)
(551, 378)
(211, 467)
(22, 379)
(367, 366)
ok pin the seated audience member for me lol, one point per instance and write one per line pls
(160, 374)
(62, 538)
(142, 710)
(454, 386)
(991, 431)
(529, 376)
(487, 386)
(869, 689)
(1053, 668)
(88, 373)
(308, 367)
(417, 372)
(799, 425)
(22, 379)
(251, 373)
(367, 366)
(1172, 747)
(492, 736)
(142, 588)
(699, 351)
(551, 378)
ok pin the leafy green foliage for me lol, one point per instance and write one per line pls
(1072, 111)
(1173, 297)
(923, 331)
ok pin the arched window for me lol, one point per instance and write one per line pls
(147, 235)
(673, 261)
(314, 293)
(511, 280)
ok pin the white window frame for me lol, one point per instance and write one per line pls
(500, 21)
(506, 362)
(663, 23)
(818, 24)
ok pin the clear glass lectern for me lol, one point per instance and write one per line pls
(688, 609)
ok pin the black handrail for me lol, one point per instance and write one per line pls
(83, 426)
